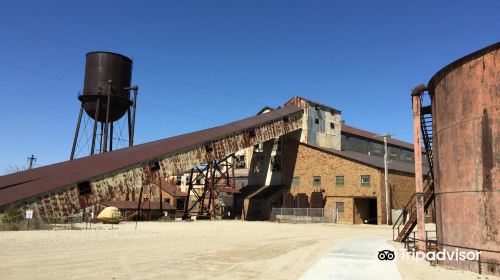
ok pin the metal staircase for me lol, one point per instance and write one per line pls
(406, 222)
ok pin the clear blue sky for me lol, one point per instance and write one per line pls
(204, 63)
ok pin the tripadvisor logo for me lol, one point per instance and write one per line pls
(387, 253)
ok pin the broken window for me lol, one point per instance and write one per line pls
(317, 181)
(84, 188)
(316, 121)
(239, 161)
(339, 181)
(365, 180)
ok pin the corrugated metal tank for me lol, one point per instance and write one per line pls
(466, 120)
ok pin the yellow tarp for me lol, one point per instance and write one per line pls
(110, 215)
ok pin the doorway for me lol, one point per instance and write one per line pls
(365, 211)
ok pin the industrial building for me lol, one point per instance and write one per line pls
(312, 159)
(300, 156)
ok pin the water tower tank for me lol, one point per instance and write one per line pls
(106, 72)
(466, 134)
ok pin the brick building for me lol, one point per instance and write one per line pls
(352, 183)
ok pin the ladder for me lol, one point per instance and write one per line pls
(406, 222)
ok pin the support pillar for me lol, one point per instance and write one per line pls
(419, 189)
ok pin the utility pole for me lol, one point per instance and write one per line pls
(31, 159)
(386, 176)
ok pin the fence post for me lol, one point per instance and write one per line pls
(479, 261)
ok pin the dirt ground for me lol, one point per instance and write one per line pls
(184, 250)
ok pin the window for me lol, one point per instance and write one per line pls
(178, 180)
(316, 181)
(296, 181)
(365, 180)
(339, 181)
(251, 133)
(332, 125)
(209, 148)
(84, 188)
(153, 191)
(276, 163)
(154, 165)
(167, 200)
(339, 206)
(316, 121)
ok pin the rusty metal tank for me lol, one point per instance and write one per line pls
(288, 201)
(106, 72)
(301, 200)
(466, 132)
(316, 200)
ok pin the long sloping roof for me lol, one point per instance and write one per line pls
(132, 205)
(371, 135)
(374, 161)
(30, 183)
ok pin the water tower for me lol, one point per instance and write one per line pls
(106, 98)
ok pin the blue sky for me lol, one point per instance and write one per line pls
(205, 63)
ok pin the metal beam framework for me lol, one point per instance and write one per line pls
(204, 184)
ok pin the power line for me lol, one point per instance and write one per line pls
(37, 73)
(162, 74)
(200, 86)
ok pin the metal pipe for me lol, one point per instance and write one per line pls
(105, 142)
(73, 148)
(129, 123)
(386, 184)
(111, 137)
(96, 115)
(131, 141)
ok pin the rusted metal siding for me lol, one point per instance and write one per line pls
(466, 121)
(115, 184)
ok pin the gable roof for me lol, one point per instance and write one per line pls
(367, 134)
(373, 161)
(171, 189)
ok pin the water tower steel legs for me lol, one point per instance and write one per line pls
(76, 133)
(106, 129)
